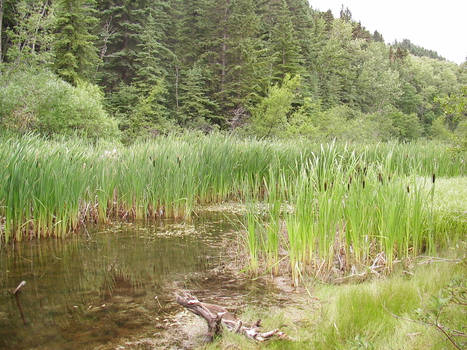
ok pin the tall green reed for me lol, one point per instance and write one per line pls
(52, 187)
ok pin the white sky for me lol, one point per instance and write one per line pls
(433, 24)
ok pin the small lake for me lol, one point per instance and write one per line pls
(112, 286)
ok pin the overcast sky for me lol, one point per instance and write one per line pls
(434, 24)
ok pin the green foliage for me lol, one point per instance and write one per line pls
(269, 117)
(39, 101)
(31, 38)
(454, 107)
(149, 116)
(303, 121)
(142, 53)
(196, 108)
(247, 71)
(378, 84)
(407, 126)
(75, 53)
(283, 44)
(338, 59)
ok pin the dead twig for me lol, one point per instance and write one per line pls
(16, 294)
(217, 316)
(436, 324)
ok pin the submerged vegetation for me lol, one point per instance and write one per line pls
(327, 205)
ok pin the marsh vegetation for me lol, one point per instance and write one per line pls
(336, 159)
(311, 213)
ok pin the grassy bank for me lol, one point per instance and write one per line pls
(398, 312)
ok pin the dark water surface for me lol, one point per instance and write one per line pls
(92, 291)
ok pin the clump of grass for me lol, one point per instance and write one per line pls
(348, 219)
(378, 313)
(385, 313)
(252, 238)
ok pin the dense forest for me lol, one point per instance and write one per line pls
(269, 68)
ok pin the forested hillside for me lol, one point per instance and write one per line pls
(269, 68)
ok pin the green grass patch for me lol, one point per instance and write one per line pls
(363, 316)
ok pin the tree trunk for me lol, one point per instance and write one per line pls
(34, 39)
(177, 77)
(1, 30)
(224, 45)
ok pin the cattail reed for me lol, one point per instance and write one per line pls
(45, 193)
(380, 178)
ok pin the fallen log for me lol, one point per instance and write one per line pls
(217, 316)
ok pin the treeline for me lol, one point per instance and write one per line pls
(269, 68)
(416, 50)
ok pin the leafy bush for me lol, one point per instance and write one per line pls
(407, 126)
(269, 117)
(341, 122)
(42, 102)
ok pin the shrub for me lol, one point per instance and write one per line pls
(269, 117)
(407, 126)
(41, 102)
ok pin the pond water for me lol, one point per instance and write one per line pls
(109, 287)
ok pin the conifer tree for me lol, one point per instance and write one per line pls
(303, 26)
(75, 53)
(196, 108)
(150, 65)
(377, 36)
(152, 54)
(283, 44)
(246, 75)
(125, 19)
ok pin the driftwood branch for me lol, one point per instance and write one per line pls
(18, 289)
(217, 316)
(16, 294)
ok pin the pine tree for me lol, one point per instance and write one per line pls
(151, 67)
(75, 53)
(121, 23)
(152, 54)
(329, 18)
(377, 36)
(247, 62)
(303, 26)
(337, 64)
(196, 108)
(345, 14)
(188, 20)
(283, 45)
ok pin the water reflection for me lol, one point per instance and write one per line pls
(87, 291)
